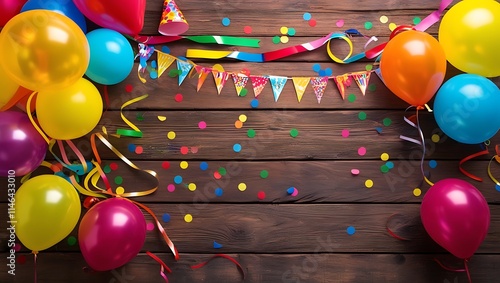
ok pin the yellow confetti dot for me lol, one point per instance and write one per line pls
(368, 183)
(120, 190)
(392, 26)
(284, 39)
(171, 135)
(384, 19)
(435, 138)
(188, 218)
(242, 186)
(184, 164)
(192, 187)
(417, 192)
(162, 118)
(242, 118)
(283, 30)
(384, 156)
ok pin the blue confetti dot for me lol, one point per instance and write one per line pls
(131, 147)
(153, 75)
(203, 166)
(237, 147)
(217, 245)
(322, 73)
(290, 190)
(497, 187)
(219, 192)
(351, 230)
(254, 103)
(165, 49)
(178, 179)
(182, 58)
(226, 22)
(389, 164)
(153, 64)
(307, 16)
(328, 72)
(316, 67)
(432, 163)
(165, 217)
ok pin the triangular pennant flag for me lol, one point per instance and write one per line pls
(258, 84)
(144, 54)
(342, 82)
(319, 86)
(362, 79)
(202, 75)
(220, 77)
(300, 84)
(184, 67)
(164, 61)
(379, 74)
(278, 83)
(240, 81)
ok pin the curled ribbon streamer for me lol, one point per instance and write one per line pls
(466, 269)
(163, 266)
(391, 232)
(434, 17)
(135, 132)
(28, 107)
(238, 265)
(467, 158)
(497, 159)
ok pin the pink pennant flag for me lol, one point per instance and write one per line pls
(258, 84)
(202, 75)
(319, 86)
(342, 82)
(240, 81)
(362, 79)
(300, 84)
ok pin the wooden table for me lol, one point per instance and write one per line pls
(335, 229)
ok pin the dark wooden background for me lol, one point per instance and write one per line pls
(281, 238)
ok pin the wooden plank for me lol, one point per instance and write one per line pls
(292, 228)
(286, 268)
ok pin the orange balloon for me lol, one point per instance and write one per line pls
(413, 66)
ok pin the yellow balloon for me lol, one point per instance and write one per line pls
(71, 112)
(47, 210)
(7, 87)
(43, 50)
(470, 35)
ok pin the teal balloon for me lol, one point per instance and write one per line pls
(111, 57)
(466, 108)
(64, 7)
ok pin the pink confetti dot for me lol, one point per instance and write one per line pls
(362, 151)
(261, 195)
(139, 149)
(202, 125)
(178, 97)
(295, 192)
(194, 149)
(345, 133)
(184, 150)
(17, 247)
(171, 188)
(355, 171)
(340, 23)
(247, 29)
(150, 226)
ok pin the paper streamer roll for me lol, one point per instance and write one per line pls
(172, 20)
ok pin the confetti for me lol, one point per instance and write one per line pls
(497, 187)
(345, 133)
(131, 147)
(368, 25)
(247, 29)
(237, 147)
(387, 122)
(355, 172)
(217, 245)
(264, 174)
(203, 166)
(219, 192)
(389, 164)
(251, 133)
(350, 230)
(165, 217)
(290, 190)
(178, 97)
(165, 49)
(261, 195)
(307, 16)
(316, 67)
(362, 151)
(291, 31)
(222, 171)
(238, 124)
(184, 150)
(351, 97)
(417, 192)
(416, 20)
(276, 39)
(392, 26)
(194, 149)
(162, 118)
(294, 133)
(184, 164)
(368, 183)
(432, 163)
(384, 156)
(362, 116)
(192, 187)
(254, 103)
(369, 67)
(139, 149)
(284, 30)
(295, 192)
(202, 125)
(71, 240)
(384, 19)
(328, 72)
(435, 138)
(339, 23)
(106, 169)
(129, 88)
(312, 22)
(384, 169)
(243, 92)
(378, 129)
(150, 226)
(171, 188)
(171, 135)
(120, 190)
(188, 218)
(118, 180)
(178, 179)
(217, 175)
(372, 87)
(242, 118)
(284, 39)
(226, 22)
(242, 186)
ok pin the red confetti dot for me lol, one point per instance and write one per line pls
(217, 175)
(178, 97)
(139, 149)
(129, 88)
(247, 29)
(21, 259)
(261, 195)
(184, 149)
(312, 22)
(113, 166)
(165, 165)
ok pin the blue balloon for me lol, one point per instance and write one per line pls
(111, 57)
(466, 108)
(64, 7)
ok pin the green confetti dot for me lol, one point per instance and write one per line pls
(264, 174)
(140, 116)
(106, 169)
(294, 133)
(222, 171)
(372, 87)
(351, 97)
(369, 67)
(368, 25)
(251, 133)
(173, 73)
(118, 180)
(416, 20)
(71, 240)
(243, 92)
(362, 116)
(276, 39)
(384, 168)
(387, 122)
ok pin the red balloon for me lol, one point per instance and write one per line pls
(8, 9)
(124, 16)
(111, 233)
(456, 216)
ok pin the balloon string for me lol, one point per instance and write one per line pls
(467, 270)
(163, 266)
(238, 265)
(467, 158)
(106, 97)
(28, 107)
(394, 235)
(448, 268)
(496, 157)
(35, 255)
(423, 152)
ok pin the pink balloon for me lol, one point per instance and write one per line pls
(8, 9)
(456, 216)
(111, 233)
(124, 16)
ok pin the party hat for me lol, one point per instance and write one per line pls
(172, 20)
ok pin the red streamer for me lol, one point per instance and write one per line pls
(467, 158)
(466, 269)
(163, 266)
(240, 268)
(391, 232)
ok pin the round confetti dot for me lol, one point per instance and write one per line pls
(276, 39)
(192, 187)
(283, 30)
(139, 149)
(368, 183)
(362, 151)
(345, 133)
(184, 164)
(389, 164)
(165, 165)
(435, 138)
(219, 192)
(290, 190)
(71, 240)
(237, 147)
(497, 187)
(238, 124)
(294, 133)
(328, 72)
(242, 186)
(369, 67)
(226, 22)
(387, 122)
(129, 88)
(251, 133)
(368, 25)
(284, 39)
(242, 118)
(178, 97)
(264, 174)
(171, 135)
(150, 226)
(321, 73)
(184, 150)
(350, 230)
(174, 73)
(355, 172)
(203, 166)
(194, 149)
(120, 190)
(106, 169)
(384, 169)
(254, 103)
(178, 179)
(339, 23)
(295, 192)
(171, 188)
(312, 22)
(243, 92)
(307, 16)
(417, 192)
(362, 116)
(316, 67)
(291, 31)
(351, 97)
(384, 19)
(432, 163)
(222, 171)
(261, 195)
(165, 217)
(372, 87)
(21, 259)
(202, 125)
(247, 29)
(188, 218)
(165, 49)
(131, 147)
(416, 20)
(384, 156)
(392, 26)
(217, 175)
(153, 74)
(17, 247)
(113, 166)
(118, 180)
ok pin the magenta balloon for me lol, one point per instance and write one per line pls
(111, 233)
(8, 9)
(22, 148)
(456, 216)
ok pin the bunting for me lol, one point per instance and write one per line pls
(278, 83)
(220, 77)
(362, 80)
(258, 84)
(184, 68)
(319, 86)
(202, 75)
(240, 81)
(164, 62)
(300, 84)
(343, 82)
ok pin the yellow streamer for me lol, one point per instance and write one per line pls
(207, 54)
(28, 104)
(136, 131)
(335, 58)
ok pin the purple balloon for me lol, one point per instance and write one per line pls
(22, 148)
(111, 233)
(456, 216)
